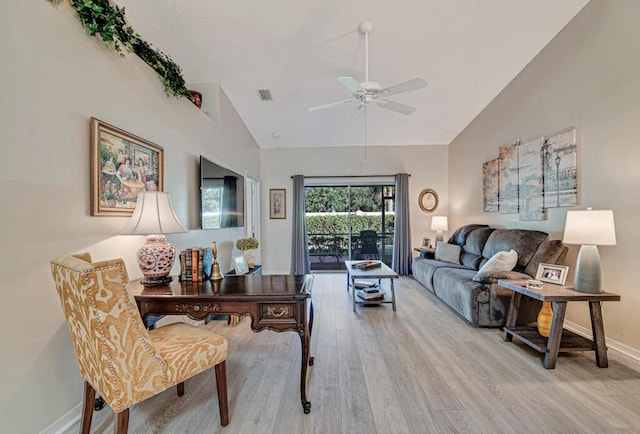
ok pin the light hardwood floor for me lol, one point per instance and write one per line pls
(422, 369)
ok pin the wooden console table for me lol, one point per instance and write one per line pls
(274, 302)
(559, 338)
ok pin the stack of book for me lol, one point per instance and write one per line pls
(373, 294)
(195, 264)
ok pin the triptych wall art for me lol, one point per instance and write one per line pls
(527, 178)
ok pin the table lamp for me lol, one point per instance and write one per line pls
(154, 216)
(589, 228)
(439, 224)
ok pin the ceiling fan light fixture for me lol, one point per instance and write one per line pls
(370, 91)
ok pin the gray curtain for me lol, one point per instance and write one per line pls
(401, 263)
(299, 249)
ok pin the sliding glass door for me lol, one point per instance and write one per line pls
(349, 222)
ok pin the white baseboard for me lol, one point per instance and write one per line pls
(65, 422)
(628, 351)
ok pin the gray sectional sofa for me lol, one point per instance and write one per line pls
(477, 296)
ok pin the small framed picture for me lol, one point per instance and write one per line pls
(552, 273)
(426, 242)
(240, 265)
(277, 203)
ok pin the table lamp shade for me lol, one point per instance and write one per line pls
(590, 229)
(594, 227)
(154, 216)
(439, 224)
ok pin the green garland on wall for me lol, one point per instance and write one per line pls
(106, 20)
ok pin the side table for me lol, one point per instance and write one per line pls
(426, 252)
(559, 339)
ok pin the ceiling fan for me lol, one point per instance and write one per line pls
(369, 92)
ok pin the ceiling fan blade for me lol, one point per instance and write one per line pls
(351, 84)
(396, 106)
(405, 86)
(332, 104)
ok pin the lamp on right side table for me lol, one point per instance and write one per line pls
(590, 229)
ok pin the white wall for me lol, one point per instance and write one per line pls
(426, 164)
(587, 77)
(53, 78)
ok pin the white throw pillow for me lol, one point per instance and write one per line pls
(501, 261)
(447, 252)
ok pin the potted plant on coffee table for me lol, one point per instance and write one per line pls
(249, 247)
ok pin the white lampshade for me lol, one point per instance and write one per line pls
(153, 214)
(439, 223)
(592, 227)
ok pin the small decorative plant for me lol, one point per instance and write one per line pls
(247, 243)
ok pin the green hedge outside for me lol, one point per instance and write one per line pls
(329, 233)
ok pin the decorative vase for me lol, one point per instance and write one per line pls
(250, 257)
(155, 259)
(544, 319)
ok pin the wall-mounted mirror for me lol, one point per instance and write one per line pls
(221, 196)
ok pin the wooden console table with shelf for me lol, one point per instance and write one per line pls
(559, 340)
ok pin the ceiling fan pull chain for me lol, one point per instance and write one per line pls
(365, 134)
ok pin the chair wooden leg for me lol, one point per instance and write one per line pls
(180, 387)
(122, 422)
(221, 384)
(87, 408)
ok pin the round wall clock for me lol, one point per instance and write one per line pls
(428, 200)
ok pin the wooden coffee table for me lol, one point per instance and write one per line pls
(559, 338)
(378, 273)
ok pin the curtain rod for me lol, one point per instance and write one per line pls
(349, 176)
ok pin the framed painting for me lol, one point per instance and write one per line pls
(491, 185)
(530, 181)
(560, 160)
(508, 179)
(122, 164)
(277, 203)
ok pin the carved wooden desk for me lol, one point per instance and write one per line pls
(274, 302)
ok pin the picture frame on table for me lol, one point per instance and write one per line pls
(426, 242)
(277, 203)
(552, 273)
(122, 164)
(240, 265)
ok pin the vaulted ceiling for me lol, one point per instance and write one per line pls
(467, 51)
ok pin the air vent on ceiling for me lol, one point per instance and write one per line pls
(265, 95)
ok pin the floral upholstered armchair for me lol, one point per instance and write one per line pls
(117, 356)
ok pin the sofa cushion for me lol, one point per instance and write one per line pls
(501, 261)
(447, 252)
(474, 244)
(459, 237)
(524, 242)
(457, 289)
(494, 276)
(423, 270)
(549, 252)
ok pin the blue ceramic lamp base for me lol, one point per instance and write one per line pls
(587, 277)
